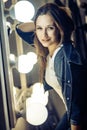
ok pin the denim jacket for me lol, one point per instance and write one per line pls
(72, 78)
(68, 69)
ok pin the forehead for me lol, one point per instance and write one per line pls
(45, 19)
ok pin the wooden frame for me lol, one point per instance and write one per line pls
(7, 113)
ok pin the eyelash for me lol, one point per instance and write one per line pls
(38, 28)
(51, 28)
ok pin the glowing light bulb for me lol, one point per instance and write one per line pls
(39, 95)
(36, 113)
(5, 0)
(32, 57)
(24, 11)
(26, 62)
(24, 65)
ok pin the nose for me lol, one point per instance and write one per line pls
(45, 34)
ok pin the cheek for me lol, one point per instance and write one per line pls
(38, 34)
(52, 35)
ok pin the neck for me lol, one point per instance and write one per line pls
(53, 48)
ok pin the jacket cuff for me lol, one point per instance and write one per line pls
(73, 122)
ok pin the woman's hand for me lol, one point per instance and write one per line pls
(75, 127)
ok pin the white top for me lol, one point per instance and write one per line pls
(50, 76)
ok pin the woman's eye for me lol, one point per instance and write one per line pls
(51, 28)
(38, 28)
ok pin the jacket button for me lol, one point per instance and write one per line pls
(67, 98)
(68, 81)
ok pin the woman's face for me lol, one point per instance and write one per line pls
(46, 30)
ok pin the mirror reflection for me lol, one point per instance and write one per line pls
(33, 107)
(25, 78)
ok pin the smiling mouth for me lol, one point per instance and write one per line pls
(45, 40)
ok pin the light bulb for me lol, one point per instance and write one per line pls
(32, 57)
(36, 113)
(24, 65)
(24, 11)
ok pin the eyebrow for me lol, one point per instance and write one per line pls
(46, 26)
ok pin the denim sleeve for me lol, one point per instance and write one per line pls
(75, 118)
(26, 36)
(79, 95)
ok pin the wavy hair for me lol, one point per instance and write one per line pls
(65, 25)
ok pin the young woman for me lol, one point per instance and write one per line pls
(60, 64)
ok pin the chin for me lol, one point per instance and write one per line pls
(45, 44)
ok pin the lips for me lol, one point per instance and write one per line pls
(45, 40)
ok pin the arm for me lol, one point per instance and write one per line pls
(26, 27)
(26, 31)
(79, 109)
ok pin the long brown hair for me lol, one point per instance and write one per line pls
(65, 25)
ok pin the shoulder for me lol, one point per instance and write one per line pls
(71, 54)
